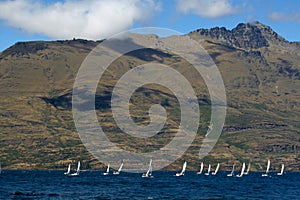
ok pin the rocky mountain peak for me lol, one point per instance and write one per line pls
(244, 35)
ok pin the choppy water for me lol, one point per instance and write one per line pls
(164, 185)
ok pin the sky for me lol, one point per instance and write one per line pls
(29, 20)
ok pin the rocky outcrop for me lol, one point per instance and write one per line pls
(244, 35)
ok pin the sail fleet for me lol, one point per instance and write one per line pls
(148, 173)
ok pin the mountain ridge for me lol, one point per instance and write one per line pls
(215, 32)
(245, 35)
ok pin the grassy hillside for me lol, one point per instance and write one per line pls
(262, 86)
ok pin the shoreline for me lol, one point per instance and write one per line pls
(101, 170)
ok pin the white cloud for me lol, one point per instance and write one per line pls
(277, 16)
(206, 8)
(89, 19)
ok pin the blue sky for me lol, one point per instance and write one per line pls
(26, 20)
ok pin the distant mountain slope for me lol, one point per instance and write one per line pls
(261, 72)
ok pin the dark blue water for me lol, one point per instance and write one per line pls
(164, 185)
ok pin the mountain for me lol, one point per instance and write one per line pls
(260, 69)
(245, 36)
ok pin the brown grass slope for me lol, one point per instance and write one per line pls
(260, 71)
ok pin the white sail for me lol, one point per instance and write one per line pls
(119, 170)
(232, 171)
(78, 167)
(248, 169)
(148, 174)
(107, 170)
(183, 169)
(281, 171)
(149, 171)
(77, 172)
(217, 169)
(208, 170)
(268, 168)
(69, 170)
(201, 169)
(242, 171)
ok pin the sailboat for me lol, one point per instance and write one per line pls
(281, 172)
(77, 171)
(248, 169)
(217, 169)
(208, 170)
(267, 171)
(119, 170)
(148, 174)
(232, 171)
(68, 171)
(107, 171)
(183, 170)
(242, 171)
(201, 169)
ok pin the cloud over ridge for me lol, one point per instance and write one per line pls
(89, 19)
(278, 16)
(206, 8)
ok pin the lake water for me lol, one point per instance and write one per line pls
(164, 185)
